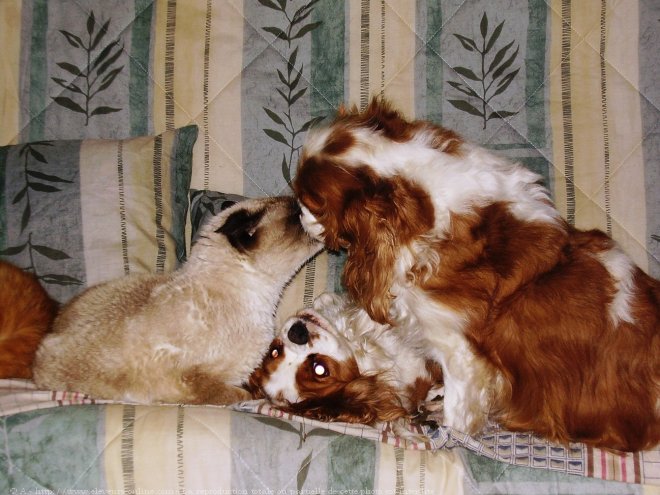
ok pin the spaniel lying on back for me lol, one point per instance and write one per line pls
(334, 363)
(537, 325)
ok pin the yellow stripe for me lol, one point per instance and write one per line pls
(225, 137)
(293, 297)
(587, 117)
(155, 448)
(222, 168)
(207, 460)
(112, 448)
(628, 194)
(99, 199)
(555, 108)
(418, 471)
(399, 53)
(10, 41)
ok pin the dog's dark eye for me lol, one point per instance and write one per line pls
(319, 369)
(276, 350)
(240, 228)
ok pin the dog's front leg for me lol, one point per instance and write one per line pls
(469, 385)
(203, 387)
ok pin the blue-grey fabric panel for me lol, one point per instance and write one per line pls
(43, 214)
(649, 90)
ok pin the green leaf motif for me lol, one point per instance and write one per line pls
(468, 73)
(463, 89)
(25, 218)
(278, 33)
(50, 253)
(494, 37)
(104, 110)
(38, 186)
(466, 107)
(294, 27)
(64, 280)
(70, 68)
(278, 424)
(286, 172)
(277, 136)
(20, 195)
(42, 176)
(273, 116)
(501, 114)
(67, 102)
(487, 74)
(498, 57)
(37, 155)
(269, 4)
(468, 43)
(483, 26)
(91, 22)
(88, 85)
(73, 40)
(303, 471)
(11, 251)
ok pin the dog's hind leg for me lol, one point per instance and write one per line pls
(204, 387)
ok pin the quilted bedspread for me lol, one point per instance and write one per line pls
(99, 154)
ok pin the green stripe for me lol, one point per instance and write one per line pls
(434, 88)
(535, 66)
(182, 159)
(139, 67)
(351, 464)
(327, 71)
(38, 70)
(3, 197)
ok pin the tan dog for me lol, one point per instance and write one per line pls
(192, 336)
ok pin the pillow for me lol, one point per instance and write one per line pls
(205, 204)
(76, 213)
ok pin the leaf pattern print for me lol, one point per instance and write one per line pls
(288, 131)
(36, 181)
(96, 73)
(491, 78)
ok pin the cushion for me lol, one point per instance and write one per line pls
(77, 213)
(206, 204)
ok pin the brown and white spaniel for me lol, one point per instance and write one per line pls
(334, 363)
(537, 325)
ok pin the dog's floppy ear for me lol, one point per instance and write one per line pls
(387, 215)
(365, 400)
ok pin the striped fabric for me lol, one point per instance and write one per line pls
(76, 213)
(579, 101)
(568, 88)
(252, 445)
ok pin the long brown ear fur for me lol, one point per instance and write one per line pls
(388, 216)
(364, 400)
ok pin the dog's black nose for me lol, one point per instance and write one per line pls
(298, 333)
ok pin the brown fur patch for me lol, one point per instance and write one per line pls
(26, 314)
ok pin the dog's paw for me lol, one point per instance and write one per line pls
(206, 388)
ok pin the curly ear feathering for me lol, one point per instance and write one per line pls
(537, 325)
